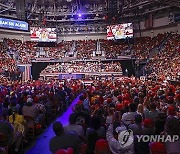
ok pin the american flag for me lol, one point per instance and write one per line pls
(26, 72)
(149, 21)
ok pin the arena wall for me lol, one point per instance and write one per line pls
(70, 37)
(160, 25)
(24, 36)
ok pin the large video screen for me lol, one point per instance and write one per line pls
(120, 31)
(13, 24)
(43, 34)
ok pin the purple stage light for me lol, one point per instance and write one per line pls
(79, 15)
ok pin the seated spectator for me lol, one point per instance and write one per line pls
(16, 118)
(63, 140)
(73, 127)
(13, 137)
(17, 121)
(29, 109)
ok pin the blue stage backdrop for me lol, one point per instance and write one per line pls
(70, 76)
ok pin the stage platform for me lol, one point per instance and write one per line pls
(45, 76)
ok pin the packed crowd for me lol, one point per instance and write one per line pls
(106, 108)
(31, 106)
(144, 45)
(113, 50)
(82, 67)
(85, 49)
(8, 68)
(166, 64)
(27, 51)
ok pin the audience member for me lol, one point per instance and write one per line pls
(63, 140)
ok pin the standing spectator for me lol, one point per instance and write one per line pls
(91, 142)
(129, 117)
(152, 113)
(73, 127)
(102, 147)
(109, 118)
(172, 127)
(63, 140)
(137, 126)
(114, 145)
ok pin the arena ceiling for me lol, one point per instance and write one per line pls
(63, 8)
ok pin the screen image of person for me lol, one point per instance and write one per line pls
(110, 34)
(119, 32)
(128, 30)
(52, 34)
(44, 34)
(33, 32)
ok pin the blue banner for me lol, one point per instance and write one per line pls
(70, 76)
(13, 24)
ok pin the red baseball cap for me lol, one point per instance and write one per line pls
(63, 151)
(102, 147)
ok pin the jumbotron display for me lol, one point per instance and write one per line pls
(43, 34)
(120, 31)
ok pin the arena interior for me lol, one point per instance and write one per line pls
(89, 76)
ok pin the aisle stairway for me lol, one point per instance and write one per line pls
(152, 53)
(158, 48)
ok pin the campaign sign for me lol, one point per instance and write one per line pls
(13, 24)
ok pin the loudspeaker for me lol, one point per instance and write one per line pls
(20, 9)
(112, 6)
(112, 10)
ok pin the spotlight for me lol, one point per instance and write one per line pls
(79, 15)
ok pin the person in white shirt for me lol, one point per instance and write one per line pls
(115, 146)
(129, 117)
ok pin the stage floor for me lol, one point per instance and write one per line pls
(45, 76)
